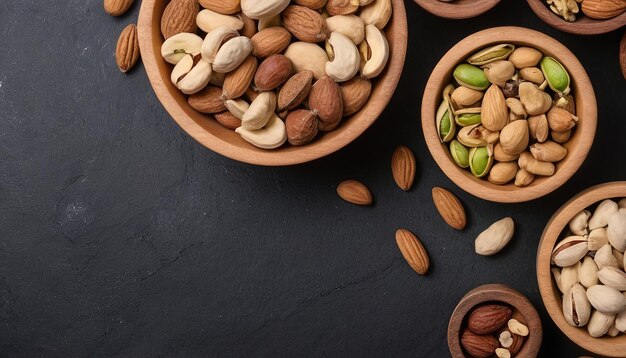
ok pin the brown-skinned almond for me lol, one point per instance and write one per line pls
(301, 126)
(272, 72)
(209, 100)
(270, 41)
(449, 207)
(311, 4)
(295, 90)
(179, 16)
(228, 120)
(403, 167)
(225, 7)
(305, 24)
(127, 49)
(326, 102)
(413, 251)
(354, 192)
(117, 7)
(238, 81)
(342, 7)
(355, 94)
(249, 28)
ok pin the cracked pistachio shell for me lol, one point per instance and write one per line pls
(606, 299)
(491, 54)
(569, 251)
(620, 320)
(616, 230)
(576, 306)
(444, 119)
(578, 224)
(471, 77)
(467, 119)
(459, 153)
(477, 136)
(600, 217)
(600, 323)
(480, 161)
(556, 75)
(613, 277)
(598, 238)
(588, 272)
(569, 276)
(604, 257)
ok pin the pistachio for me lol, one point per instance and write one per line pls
(578, 224)
(532, 74)
(569, 251)
(620, 258)
(556, 272)
(495, 237)
(514, 137)
(535, 101)
(516, 107)
(527, 162)
(477, 136)
(499, 72)
(616, 231)
(213, 41)
(523, 178)
(548, 151)
(561, 137)
(588, 272)
(604, 257)
(480, 161)
(525, 57)
(620, 321)
(600, 323)
(502, 173)
(491, 54)
(177, 46)
(463, 97)
(459, 153)
(556, 75)
(576, 306)
(501, 156)
(598, 238)
(231, 54)
(539, 128)
(606, 299)
(494, 112)
(471, 77)
(467, 119)
(445, 117)
(569, 276)
(561, 120)
(600, 217)
(613, 277)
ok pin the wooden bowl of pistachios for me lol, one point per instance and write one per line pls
(582, 17)
(580, 269)
(509, 114)
(457, 9)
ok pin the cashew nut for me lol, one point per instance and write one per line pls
(345, 58)
(308, 56)
(260, 111)
(182, 68)
(374, 52)
(208, 21)
(196, 79)
(349, 25)
(267, 22)
(237, 107)
(377, 13)
(213, 40)
(273, 135)
(179, 45)
(258, 9)
(232, 54)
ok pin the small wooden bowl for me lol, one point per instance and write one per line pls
(583, 25)
(459, 9)
(578, 145)
(212, 135)
(495, 293)
(605, 346)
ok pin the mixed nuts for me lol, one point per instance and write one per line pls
(595, 9)
(588, 269)
(509, 116)
(261, 71)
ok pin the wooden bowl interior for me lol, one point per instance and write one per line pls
(583, 25)
(211, 134)
(550, 294)
(578, 146)
(492, 294)
(459, 9)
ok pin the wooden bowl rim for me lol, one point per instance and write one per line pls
(491, 293)
(586, 110)
(582, 26)
(461, 9)
(606, 346)
(290, 155)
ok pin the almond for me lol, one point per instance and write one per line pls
(225, 7)
(449, 207)
(354, 192)
(603, 9)
(270, 41)
(479, 346)
(325, 100)
(413, 251)
(272, 72)
(311, 4)
(342, 7)
(301, 126)
(622, 55)
(487, 319)
(238, 81)
(355, 94)
(209, 100)
(179, 16)
(127, 49)
(403, 167)
(305, 24)
(228, 120)
(295, 90)
(117, 7)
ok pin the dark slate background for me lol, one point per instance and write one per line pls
(122, 236)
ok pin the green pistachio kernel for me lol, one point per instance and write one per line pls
(491, 54)
(480, 161)
(471, 77)
(468, 119)
(556, 75)
(459, 153)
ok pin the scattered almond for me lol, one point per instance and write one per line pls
(403, 167)
(179, 16)
(450, 208)
(413, 251)
(354, 192)
(117, 7)
(127, 49)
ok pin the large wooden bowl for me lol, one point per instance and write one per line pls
(495, 293)
(212, 135)
(578, 146)
(606, 346)
(458, 9)
(583, 25)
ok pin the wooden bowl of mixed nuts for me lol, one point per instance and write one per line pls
(583, 17)
(273, 82)
(457, 9)
(509, 114)
(494, 320)
(580, 269)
